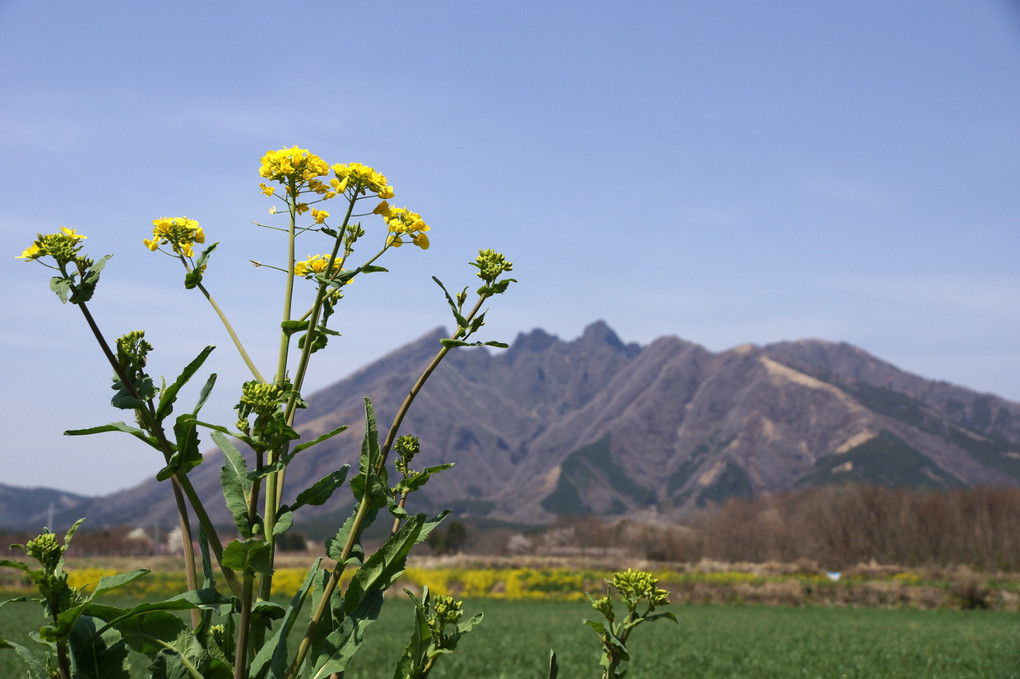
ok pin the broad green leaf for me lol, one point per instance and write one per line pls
(335, 544)
(384, 566)
(371, 478)
(97, 655)
(108, 583)
(234, 482)
(187, 456)
(341, 645)
(184, 658)
(124, 399)
(322, 489)
(36, 668)
(62, 287)
(250, 556)
(284, 521)
(169, 396)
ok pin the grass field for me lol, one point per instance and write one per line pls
(710, 641)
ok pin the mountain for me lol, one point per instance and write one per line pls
(34, 506)
(598, 426)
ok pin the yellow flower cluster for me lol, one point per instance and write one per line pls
(180, 233)
(505, 583)
(315, 264)
(62, 246)
(291, 165)
(360, 178)
(403, 222)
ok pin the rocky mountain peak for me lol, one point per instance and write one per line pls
(597, 426)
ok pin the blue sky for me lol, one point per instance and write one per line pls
(727, 172)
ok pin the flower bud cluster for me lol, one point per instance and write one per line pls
(633, 585)
(406, 447)
(63, 246)
(46, 550)
(491, 265)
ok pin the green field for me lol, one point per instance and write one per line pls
(710, 641)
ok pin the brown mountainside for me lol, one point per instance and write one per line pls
(594, 425)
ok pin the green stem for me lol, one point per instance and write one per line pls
(363, 507)
(241, 650)
(233, 335)
(181, 479)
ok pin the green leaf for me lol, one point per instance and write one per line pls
(62, 287)
(184, 657)
(284, 521)
(273, 654)
(335, 544)
(385, 565)
(493, 343)
(194, 277)
(97, 655)
(452, 343)
(204, 394)
(291, 327)
(418, 480)
(415, 656)
(249, 556)
(371, 478)
(322, 490)
(461, 321)
(328, 435)
(234, 482)
(554, 668)
(89, 282)
(125, 400)
(14, 564)
(36, 669)
(187, 456)
(341, 645)
(169, 395)
(116, 426)
(108, 583)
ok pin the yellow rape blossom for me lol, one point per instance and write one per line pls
(315, 264)
(319, 216)
(292, 165)
(180, 233)
(402, 222)
(361, 179)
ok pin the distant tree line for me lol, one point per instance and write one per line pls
(839, 526)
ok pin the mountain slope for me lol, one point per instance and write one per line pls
(595, 425)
